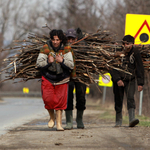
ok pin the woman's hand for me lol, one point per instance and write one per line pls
(59, 58)
(50, 59)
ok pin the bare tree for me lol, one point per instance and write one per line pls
(18, 19)
(79, 13)
(115, 17)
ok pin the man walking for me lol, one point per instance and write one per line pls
(122, 82)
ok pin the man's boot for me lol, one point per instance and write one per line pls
(79, 121)
(69, 120)
(132, 121)
(51, 123)
(118, 119)
(59, 120)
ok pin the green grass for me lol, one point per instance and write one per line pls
(107, 115)
(110, 115)
(144, 121)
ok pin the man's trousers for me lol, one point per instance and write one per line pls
(129, 89)
(80, 89)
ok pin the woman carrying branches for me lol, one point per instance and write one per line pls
(56, 62)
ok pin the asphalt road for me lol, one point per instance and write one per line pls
(17, 111)
(99, 134)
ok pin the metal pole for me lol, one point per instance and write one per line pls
(104, 94)
(140, 105)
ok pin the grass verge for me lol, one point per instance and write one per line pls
(109, 114)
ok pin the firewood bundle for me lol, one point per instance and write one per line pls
(145, 53)
(95, 54)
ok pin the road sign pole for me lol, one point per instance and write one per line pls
(104, 95)
(140, 105)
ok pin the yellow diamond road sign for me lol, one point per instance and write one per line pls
(139, 27)
(105, 81)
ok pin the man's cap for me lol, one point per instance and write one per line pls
(128, 38)
(71, 33)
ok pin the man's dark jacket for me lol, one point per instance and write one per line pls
(132, 62)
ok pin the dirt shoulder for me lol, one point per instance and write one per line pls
(99, 134)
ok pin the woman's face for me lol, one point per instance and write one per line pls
(56, 41)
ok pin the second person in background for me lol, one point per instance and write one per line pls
(80, 88)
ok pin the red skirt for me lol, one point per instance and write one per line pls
(54, 96)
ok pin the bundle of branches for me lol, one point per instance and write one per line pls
(23, 63)
(145, 53)
(95, 54)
